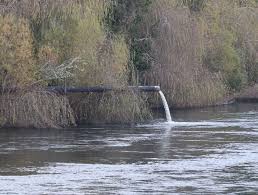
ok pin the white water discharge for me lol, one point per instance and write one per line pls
(165, 104)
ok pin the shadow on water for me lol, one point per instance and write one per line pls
(209, 150)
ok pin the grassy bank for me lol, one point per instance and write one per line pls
(194, 49)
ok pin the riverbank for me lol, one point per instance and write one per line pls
(44, 109)
(39, 108)
(249, 95)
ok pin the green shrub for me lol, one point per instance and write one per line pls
(230, 44)
(2, 121)
(225, 59)
(77, 31)
(194, 5)
(126, 16)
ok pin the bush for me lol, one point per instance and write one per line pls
(225, 59)
(195, 5)
(230, 44)
(247, 31)
(126, 16)
(77, 31)
(17, 64)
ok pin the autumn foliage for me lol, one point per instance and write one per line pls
(17, 62)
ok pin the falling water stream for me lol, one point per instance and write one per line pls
(165, 104)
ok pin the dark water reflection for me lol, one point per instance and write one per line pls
(217, 153)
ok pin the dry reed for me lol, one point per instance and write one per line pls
(35, 109)
(125, 107)
(177, 65)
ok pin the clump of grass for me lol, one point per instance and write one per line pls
(125, 107)
(35, 109)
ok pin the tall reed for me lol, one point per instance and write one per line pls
(35, 109)
(122, 107)
(177, 50)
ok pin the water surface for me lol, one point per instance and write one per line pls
(207, 151)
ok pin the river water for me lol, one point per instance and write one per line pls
(207, 151)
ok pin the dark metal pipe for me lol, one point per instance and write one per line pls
(146, 88)
(101, 89)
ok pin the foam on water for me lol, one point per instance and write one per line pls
(245, 123)
(201, 124)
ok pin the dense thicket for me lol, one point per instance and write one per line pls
(63, 43)
(199, 51)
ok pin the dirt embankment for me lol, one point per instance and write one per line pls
(249, 94)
